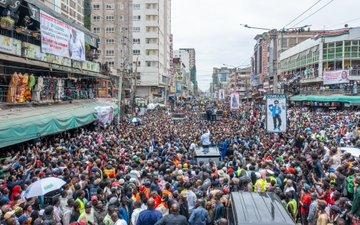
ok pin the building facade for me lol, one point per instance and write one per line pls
(267, 50)
(71, 9)
(221, 78)
(240, 82)
(328, 63)
(192, 57)
(151, 47)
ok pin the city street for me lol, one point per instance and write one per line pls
(179, 112)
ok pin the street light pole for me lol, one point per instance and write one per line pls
(120, 76)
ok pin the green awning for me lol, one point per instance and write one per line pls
(25, 124)
(353, 100)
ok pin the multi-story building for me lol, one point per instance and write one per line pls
(265, 61)
(192, 57)
(221, 78)
(240, 82)
(328, 63)
(111, 20)
(71, 9)
(151, 47)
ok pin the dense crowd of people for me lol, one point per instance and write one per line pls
(146, 174)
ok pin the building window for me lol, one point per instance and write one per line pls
(96, 7)
(110, 41)
(96, 30)
(136, 41)
(138, 63)
(136, 52)
(110, 30)
(136, 29)
(110, 18)
(136, 6)
(111, 63)
(96, 18)
(151, 64)
(136, 18)
(109, 7)
(110, 52)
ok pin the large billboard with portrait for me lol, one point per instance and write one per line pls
(61, 39)
(276, 121)
(336, 77)
(234, 101)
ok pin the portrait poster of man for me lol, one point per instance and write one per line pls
(221, 94)
(276, 121)
(234, 101)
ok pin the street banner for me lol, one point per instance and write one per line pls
(59, 38)
(234, 101)
(221, 94)
(105, 115)
(336, 77)
(276, 121)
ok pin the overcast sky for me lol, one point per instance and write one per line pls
(213, 28)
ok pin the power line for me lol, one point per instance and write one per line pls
(302, 13)
(314, 13)
(345, 22)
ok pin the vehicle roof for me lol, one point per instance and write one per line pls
(261, 209)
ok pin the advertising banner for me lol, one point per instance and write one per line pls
(234, 101)
(276, 121)
(59, 38)
(105, 115)
(34, 52)
(221, 94)
(10, 45)
(336, 77)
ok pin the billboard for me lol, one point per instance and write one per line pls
(234, 101)
(59, 38)
(336, 77)
(221, 94)
(276, 121)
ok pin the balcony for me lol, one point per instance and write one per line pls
(327, 92)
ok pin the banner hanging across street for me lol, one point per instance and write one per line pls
(276, 121)
(61, 39)
(336, 77)
(234, 101)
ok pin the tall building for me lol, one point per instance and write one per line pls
(112, 21)
(151, 47)
(192, 56)
(71, 9)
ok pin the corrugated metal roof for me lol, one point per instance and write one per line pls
(261, 209)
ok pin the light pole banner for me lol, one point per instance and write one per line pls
(61, 39)
(276, 121)
(234, 101)
(336, 77)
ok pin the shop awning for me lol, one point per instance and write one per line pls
(24, 124)
(353, 100)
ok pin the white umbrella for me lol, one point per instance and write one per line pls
(43, 186)
(135, 120)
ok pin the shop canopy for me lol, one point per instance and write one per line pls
(352, 100)
(24, 124)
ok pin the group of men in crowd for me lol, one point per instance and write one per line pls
(148, 175)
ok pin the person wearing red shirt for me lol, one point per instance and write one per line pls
(305, 202)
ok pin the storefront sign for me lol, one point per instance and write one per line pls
(336, 77)
(10, 45)
(34, 52)
(91, 66)
(59, 38)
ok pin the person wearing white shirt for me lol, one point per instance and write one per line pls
(135, 214)
(205, 141)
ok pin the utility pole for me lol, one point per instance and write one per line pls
(120, 76)
(134, 85)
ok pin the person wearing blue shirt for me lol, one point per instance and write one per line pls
(200, 215)
(149, 216)
(275, 113)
